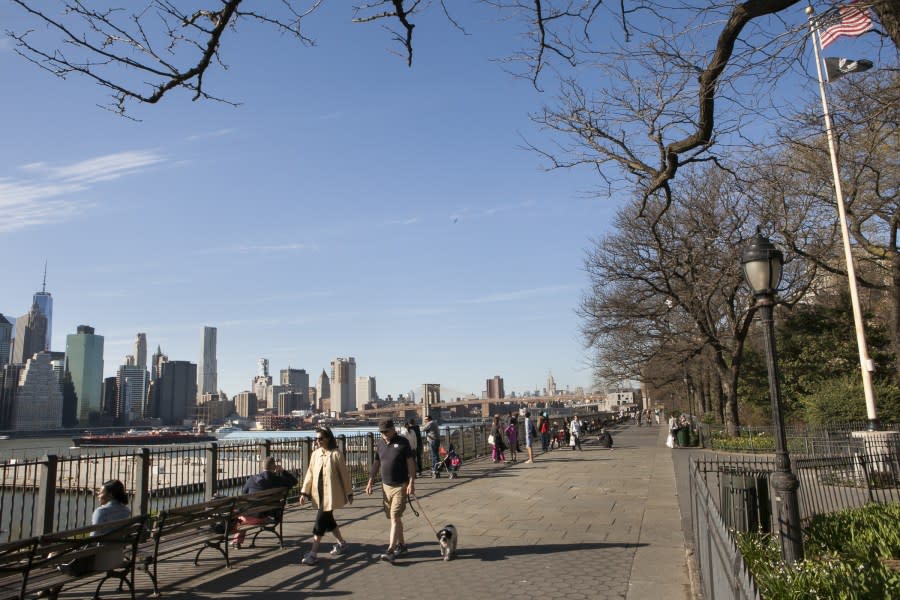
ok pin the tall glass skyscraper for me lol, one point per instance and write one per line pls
(44, 302)
(6, 329)
(206, 369)
(84, 364)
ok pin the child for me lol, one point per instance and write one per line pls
(453, 462)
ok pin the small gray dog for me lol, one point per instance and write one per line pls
(448, 538)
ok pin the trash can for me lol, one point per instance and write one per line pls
(744, 500)
(683, 437)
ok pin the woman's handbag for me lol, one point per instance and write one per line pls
(491, 440)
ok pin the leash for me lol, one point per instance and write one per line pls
(416, 498)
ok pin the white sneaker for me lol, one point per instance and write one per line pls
(309, 559)
(339, 549)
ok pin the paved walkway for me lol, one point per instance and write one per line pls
(595, 524)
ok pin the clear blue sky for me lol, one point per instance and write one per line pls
(350, 206)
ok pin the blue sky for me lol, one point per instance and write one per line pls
(350, 206)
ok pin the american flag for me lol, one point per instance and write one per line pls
(848, 19)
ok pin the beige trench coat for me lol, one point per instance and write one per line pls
(336, 479)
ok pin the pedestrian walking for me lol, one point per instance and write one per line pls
(575, 433)
(499, 449)
(433, 439)
(512, 436)
(327, 483)
(396, 462)
(530, 435)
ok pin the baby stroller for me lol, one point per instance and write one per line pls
(450, 462)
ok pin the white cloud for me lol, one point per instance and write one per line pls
(262, 248)
(45, 193)
(409, 221)
(210, 134)
(522, 294)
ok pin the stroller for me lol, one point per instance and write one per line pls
(450, 462)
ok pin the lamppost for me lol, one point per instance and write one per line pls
(762, 263)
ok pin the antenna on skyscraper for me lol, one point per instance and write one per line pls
(44, 286)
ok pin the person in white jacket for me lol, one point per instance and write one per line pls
(575, 433)
(327, 483)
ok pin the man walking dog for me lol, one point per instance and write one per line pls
(397, 462)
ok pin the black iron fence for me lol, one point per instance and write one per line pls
(57, 492)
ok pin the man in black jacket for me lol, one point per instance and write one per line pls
(272, 476)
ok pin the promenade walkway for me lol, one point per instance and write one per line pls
(594, 524)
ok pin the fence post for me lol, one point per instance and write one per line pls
(462, 441)
(212, 470)
(370, 446)
(43, 508)
(865, 469)
(342, 444)
(266, 446)
(142, 481)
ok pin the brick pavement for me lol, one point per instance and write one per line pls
(595, 524)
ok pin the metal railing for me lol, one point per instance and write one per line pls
(58, 491)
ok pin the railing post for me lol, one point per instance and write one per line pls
(307, 453)
(462, 441)
(212, 470)
(43, 507)
(142, 481)
(266, 446)
(342, 444)
(370, 446)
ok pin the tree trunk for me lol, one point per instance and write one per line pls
(895, 313)
(888, 12)
(728, 380)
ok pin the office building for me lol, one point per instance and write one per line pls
(9, 383)
(495, 388)
(31, 334)
(131, 381)
(140, 351)
(551, 385)
(262, 385)
(38, 402)
(365, 392)
(109, 403)
(175, 395)
(155, 361)
(44, 302)
(6, 330)
(206, 369)
(288, 402)
(245, 404)
(84, 365)
(323, 390)
(297, 381)
(343, 384)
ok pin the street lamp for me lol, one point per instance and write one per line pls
(762, 263)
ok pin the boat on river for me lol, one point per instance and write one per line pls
(133, 437)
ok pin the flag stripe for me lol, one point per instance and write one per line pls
(848, 20)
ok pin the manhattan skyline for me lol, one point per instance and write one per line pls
(307, 223)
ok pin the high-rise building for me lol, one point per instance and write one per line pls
(31, 334)
(110, 400)
(6, 329)
(9, 384)
(343, 384)
(176, 395)
(140, 351)
(495, 388)
(365, 391)
(131, 381)
(245, 404)
(206, 368)
(84, 364)
(262, 385)
(551, 385)
(38, 402)
(156, 360)
(323, 389)
(44, 302)
(297, 381)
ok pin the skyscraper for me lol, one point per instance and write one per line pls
(343, 384)
(176, 394)
(262, 384)
(140, 350)
(365, 391)
(495, 388)
(6, 328)
(206, 368)
(323, 389)
(131, 381)
(84, 364)
(44, 302)
(31, 335)
(38, 401)
(297, 381)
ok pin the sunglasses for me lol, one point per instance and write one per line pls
(320, 439)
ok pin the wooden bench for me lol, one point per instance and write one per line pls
(270, 503)
(52, 561)
(185, 529)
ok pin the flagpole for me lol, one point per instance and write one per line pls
(866, 364)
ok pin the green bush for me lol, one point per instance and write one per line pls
(844, 558)
(842, 400)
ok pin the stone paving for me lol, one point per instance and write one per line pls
(595, 524)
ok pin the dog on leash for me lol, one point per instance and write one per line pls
(448, 537)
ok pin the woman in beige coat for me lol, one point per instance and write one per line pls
(327, 483)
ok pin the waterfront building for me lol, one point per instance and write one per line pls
(365, 392)
(494, 388)
(140, 350)
(323, 390)
(131, 381)
(297, 381)
(313, 399)
(38, 402)
(6, 329)
(343, 384)
(84, 365)
(110, 396)
(245, 404)
(287, 402)
(31, 335)
(155, 361)
(176, 393)
(206, 369)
